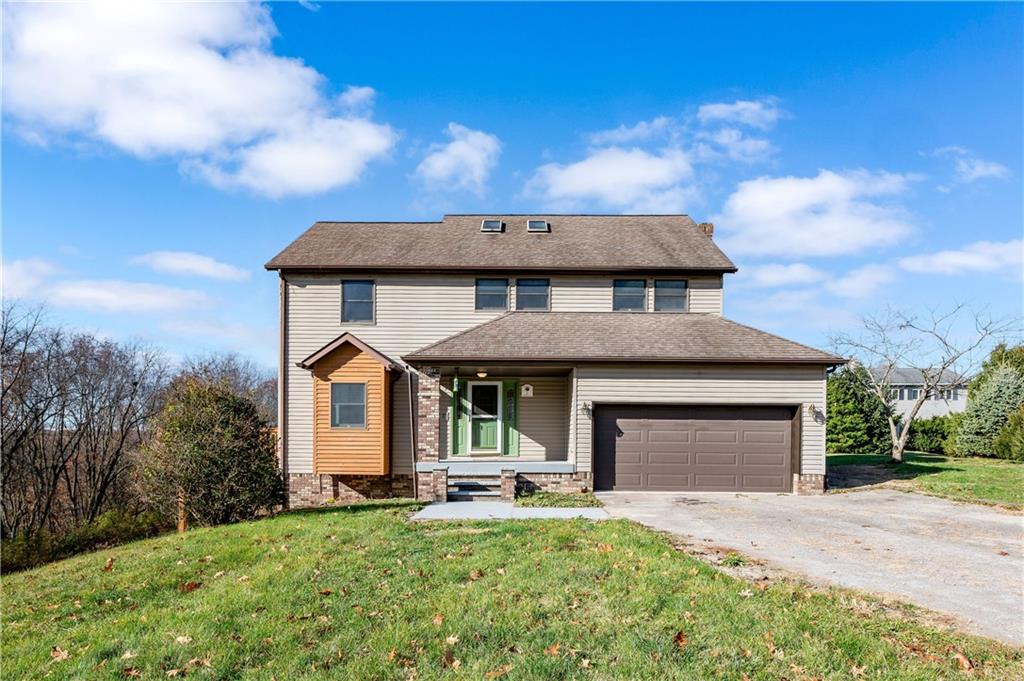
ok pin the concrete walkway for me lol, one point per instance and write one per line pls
(502, 510)
(962, 559)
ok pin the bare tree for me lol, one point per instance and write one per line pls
(73, 406)
(934, 346)
(240, 376)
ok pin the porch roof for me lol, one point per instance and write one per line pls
(617, 337)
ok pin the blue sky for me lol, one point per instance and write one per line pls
(851, 156)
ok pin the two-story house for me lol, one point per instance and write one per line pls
(566, 352)
(906, 384)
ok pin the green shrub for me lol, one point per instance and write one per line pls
(1009, 442)
(856, 420)
(949, 444)
(213, 445)
(988, 410)
(930, 435)
(109, 529)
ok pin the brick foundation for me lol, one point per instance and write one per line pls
(433, 485)
(508, 485)
(428, 415)
(555, 482)
(306, 490)
(808, 484)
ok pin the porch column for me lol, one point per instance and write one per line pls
(428, 426)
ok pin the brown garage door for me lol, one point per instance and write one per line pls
(691, 448)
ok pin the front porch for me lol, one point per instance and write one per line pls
(483, 432)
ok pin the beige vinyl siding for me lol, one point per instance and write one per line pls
(544, 420)
(705, 295)
(706, 384)
(581, 294)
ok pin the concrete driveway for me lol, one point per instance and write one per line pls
(960, 559)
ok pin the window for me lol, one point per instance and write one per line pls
(348, 405)
(669, 295)
(356, 301)
(956, 394)
(901, 393)
(492, 294)
(911, 393)
(532, 294)
(537, 226)
(491, 225)
(628, 295)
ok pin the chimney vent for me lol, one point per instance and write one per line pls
(708, 229)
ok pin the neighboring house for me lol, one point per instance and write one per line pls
(907, 384)
(564, 352)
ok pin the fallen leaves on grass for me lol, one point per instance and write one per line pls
(183, 640)
(452, 640)
(438, 620)
(189, 586)
(58, 654)
(131, 671)
(498, 672)
(127, 655)
(552, 650)
(448, 660)
(475, 575)
(680, 639)
(604, 548)
(325, 592)
(109, 565)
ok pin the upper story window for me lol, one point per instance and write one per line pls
(492, 294)
(356, 301)
(629, 295)
(348, 405)
(669, 295)
(533, 294)
(488, 225)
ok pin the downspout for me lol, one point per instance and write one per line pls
(412, 440)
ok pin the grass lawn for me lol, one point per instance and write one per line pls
(359, 593)
(558, 500)
(974, 479)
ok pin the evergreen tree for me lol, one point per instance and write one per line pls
(1001, 355)
(988, 410)
(855, 417)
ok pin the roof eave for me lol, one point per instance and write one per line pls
(455, 359)
(272, 266)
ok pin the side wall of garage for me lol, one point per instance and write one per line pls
(705, 384)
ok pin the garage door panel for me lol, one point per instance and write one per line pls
(687, 447)
(668, 458)
(764, 437)
(716, 458)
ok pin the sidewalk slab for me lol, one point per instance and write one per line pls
(503, 510)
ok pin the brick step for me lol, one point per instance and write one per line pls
(474, 482)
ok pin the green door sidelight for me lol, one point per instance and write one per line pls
(485, 411)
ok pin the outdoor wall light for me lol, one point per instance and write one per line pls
(481, 373)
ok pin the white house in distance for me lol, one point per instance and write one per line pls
(906, 385)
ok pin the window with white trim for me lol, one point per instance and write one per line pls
(669, 295)
(533, 294)
(629, 295)
(348, 405)
(356, 301)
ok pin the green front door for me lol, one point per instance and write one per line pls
(485, 407)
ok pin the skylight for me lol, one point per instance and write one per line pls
(491, 225)
(537, 226)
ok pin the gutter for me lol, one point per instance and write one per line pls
(431, 361)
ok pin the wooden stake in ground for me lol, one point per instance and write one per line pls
(182, 523)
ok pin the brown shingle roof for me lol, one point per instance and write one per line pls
(617, 336)
(575, 242)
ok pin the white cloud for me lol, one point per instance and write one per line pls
(25, 278)
(968, 168)
(193, 81)
(861, 282)
(981, 256)
(829, 214)
(464, 163)
(357, 97)
(223, 331)
(623, 134)
(761, 113)
(124, 296)
(731, 143)
(773, 274)
(624, 179)
(195, 264)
